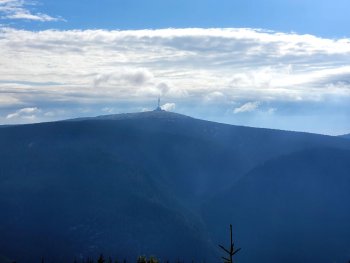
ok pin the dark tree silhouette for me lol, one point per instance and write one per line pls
(101, 259)
(153, 259)
(142, 259)
(231, 251)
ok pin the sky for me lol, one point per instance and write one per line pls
(281, 64)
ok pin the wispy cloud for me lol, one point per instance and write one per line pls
(25, 113)
(247, 107)
(20, 9)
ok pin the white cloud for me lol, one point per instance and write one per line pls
(168, 106)
(214, 96)
(25, 113)
(247, 107)
(19, 9)
(171, 91)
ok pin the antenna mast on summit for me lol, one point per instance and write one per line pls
(158, 106)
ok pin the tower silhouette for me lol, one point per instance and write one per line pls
(158, 106)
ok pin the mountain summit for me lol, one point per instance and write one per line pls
(155, 114)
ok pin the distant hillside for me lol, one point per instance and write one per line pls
(347, 136)
(134, 184)
(294, 208)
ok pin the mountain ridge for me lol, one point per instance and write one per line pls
(135, 115)
(132, 179)
(346, 136)
(163, 114)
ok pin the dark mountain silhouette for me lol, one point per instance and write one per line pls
(154, 183)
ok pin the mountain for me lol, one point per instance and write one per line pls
(294, 208)
(154, 183)
(346, 136)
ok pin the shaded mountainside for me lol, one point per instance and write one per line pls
(294, 208)
(144, 183)
(84, 203)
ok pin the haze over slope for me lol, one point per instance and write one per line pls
(153, 183)
(294, 208)
(347, 136)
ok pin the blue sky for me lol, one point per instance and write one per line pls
(322, 18)
(275, 64)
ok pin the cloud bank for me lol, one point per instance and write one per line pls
(227, 67)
